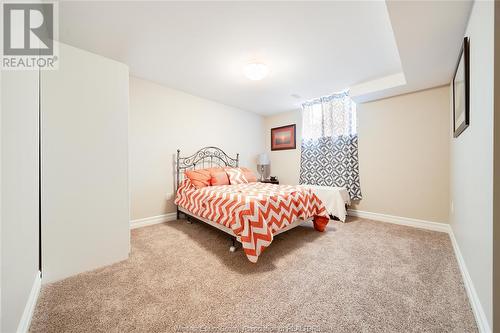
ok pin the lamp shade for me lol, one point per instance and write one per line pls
(263, 159)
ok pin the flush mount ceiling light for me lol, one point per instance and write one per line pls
(255, 71)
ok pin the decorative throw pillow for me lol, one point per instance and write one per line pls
(249, 175)
(218, 176)
(199, 178)
(236, 176)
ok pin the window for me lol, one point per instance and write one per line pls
(330, 116)
(329, 150)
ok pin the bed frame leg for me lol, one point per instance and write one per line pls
(232, 248)
(188, 218)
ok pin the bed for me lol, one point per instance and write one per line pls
(253, 213)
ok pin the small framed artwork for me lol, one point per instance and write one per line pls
(461, 91)
(283, 137)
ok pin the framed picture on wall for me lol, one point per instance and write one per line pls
(461, 91)
(283, 137)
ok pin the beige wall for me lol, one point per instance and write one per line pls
(403, 154)
(285, 164)
(472, 162)
(85, 197)
(163, 120)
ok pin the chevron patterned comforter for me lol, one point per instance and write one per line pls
(253, 211)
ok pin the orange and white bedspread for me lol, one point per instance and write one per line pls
(253, 211)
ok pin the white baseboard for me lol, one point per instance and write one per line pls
(422, 224)
(29, 309)
(477, 308)
(152, 220)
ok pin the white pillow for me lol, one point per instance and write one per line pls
(236, 176)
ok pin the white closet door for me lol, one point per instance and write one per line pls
(19, 196)
(85, 198)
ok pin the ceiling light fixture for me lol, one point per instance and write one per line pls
(255, 71)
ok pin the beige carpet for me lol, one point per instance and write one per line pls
(362, 276)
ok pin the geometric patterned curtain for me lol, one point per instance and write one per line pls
(329, 154)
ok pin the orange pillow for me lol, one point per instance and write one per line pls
(218, 176)
(249, 175)
(199, 178)
(236, 176)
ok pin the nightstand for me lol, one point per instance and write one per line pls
(269, 181)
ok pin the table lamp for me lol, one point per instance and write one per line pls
(262, 162)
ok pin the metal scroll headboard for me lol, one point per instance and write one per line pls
(206, 157)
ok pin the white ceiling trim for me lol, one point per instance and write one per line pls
(370, 90)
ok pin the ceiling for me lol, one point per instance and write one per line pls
(376, 48)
